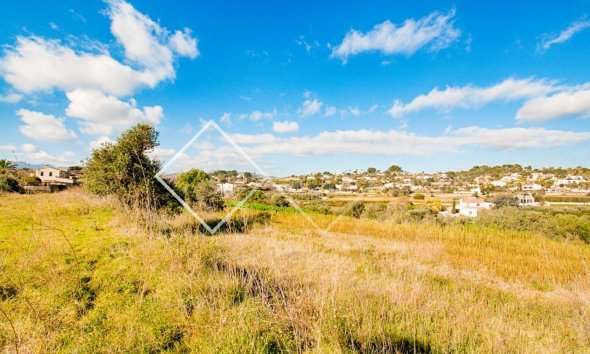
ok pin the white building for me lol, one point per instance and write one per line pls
(499, 183)
(54, 176)
(225, 188)
(532, 187)
(526, 199)
(471, 206)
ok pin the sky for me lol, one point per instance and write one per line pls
(300, 86)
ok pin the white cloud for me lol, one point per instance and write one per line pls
(395, 143)
(7, 148)
(310, 107)
(146, 42)
(11, 98)
(434, 30)
(36, 64)
(309, 46)
(184, 44)
(330, 111)
(102, 114)
(99, 142)
(473, 96)
(29, 153)
(259, 115)
(161, 153)
(549, 40)
(285, 127)
(253, 139)
(225, 118)
(45, 127)
(561, 104)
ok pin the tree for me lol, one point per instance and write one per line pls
(8, 184)
(124, 169)
(419, 196)
(30, 181)
(394, 169)
(6, 166)
(208, 197)
(505, 200)
(371, 170)
(187, 182)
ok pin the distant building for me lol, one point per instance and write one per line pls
(227, 189)
(526, 199)
(499, 183)
(472, 206)
(54, 176)
(532, 187)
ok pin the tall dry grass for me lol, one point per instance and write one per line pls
(78, 275)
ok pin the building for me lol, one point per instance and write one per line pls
(499, 183)
(532, 187)
(227, 189)
(472, 206)
(54, 176)
(526, 199)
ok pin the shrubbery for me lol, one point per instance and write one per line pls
(564, 223)
(8, 184)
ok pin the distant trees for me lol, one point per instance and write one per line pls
(371, 170)
(198, 189)
(124, 169)
(505, 200)
(394, 169)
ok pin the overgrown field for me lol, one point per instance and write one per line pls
(79, 275)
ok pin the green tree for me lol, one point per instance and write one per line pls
(394, 169)
(505, 200)
(125, 170)
(7, 166)
(187, 182)
(371, 170)
(8, 184)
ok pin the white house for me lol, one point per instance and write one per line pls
(471, 206)
(526, 199)
(54, 176)
(570, 180)
(225, 188)
(532, 187)
(499, 183)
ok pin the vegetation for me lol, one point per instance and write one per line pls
(124, 170)
(8, 184)
(199, 190)
(78, 275)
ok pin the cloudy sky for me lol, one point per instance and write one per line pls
(300, 87)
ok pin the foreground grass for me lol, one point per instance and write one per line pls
(76, 275)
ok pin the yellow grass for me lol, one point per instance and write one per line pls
(367, 286)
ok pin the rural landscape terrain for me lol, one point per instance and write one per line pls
(373, 177)
(119, 264)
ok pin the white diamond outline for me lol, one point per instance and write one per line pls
(239, 205)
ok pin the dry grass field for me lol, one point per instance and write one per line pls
(79, 275)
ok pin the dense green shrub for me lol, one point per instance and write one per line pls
(419, 196)
(125, 170)
(8, 184)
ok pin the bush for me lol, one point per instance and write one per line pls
(419, 196)
(280, 201)
(208, 197)
(8, 184)
(30, 181)
(356, 210)
(123, 169)
(505, 200)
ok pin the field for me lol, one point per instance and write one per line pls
(77, 274)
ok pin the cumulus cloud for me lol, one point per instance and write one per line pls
(225, 118)
(285, 127)
(472, 96)
(44, 127)
(434, 31)
(91, 77)
(550, 39)
(11, 98)
(310, 107)
(101, 114)
(7, 147)
(559, 105)
(99, 142)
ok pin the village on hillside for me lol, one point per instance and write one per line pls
(455, 193)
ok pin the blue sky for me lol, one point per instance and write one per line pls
(301, 86)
